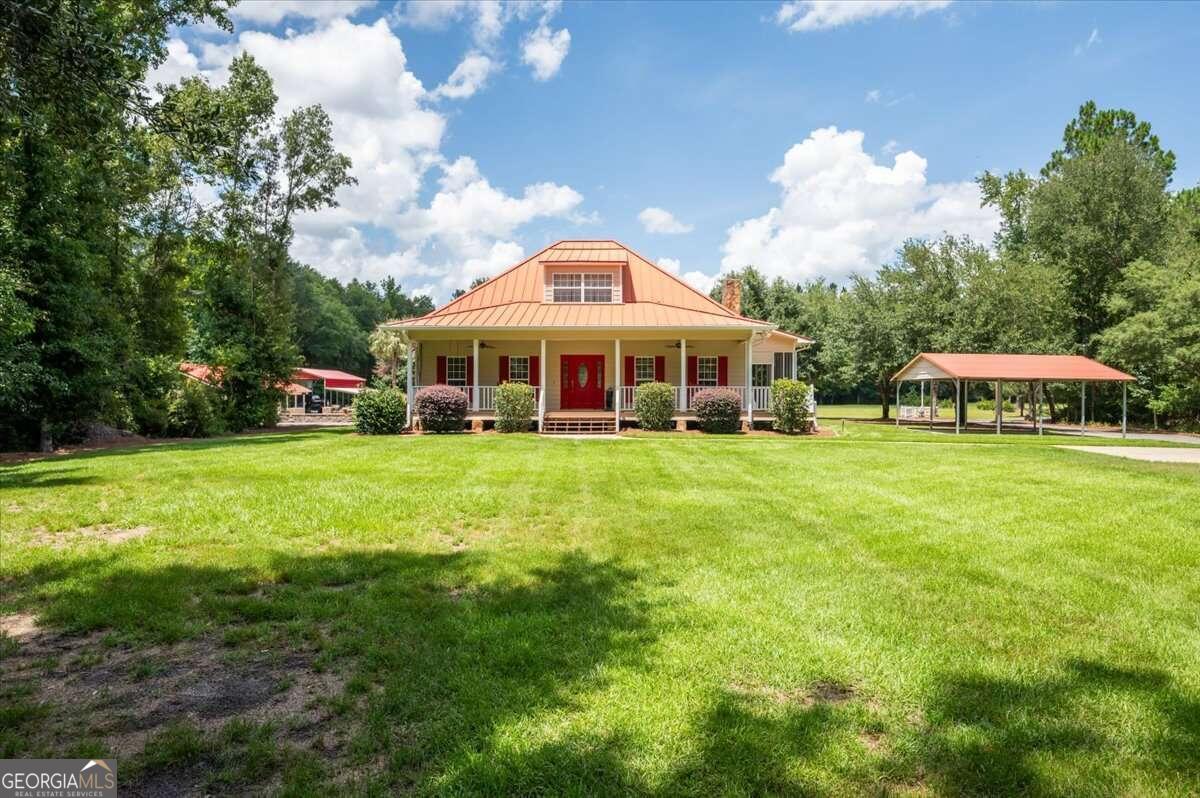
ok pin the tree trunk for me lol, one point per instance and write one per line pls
(1050, 406)
(46, 442)
(885, 399)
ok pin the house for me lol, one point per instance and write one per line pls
(584, 323)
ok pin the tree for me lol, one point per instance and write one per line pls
(1093, 129)
(390, 351)
(1098, 212)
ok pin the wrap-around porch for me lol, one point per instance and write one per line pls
(588, 377)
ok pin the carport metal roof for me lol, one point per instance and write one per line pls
(1008, 368)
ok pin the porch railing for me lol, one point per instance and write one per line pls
(485, 395)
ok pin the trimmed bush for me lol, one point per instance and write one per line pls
(193, 411)
(718, 410)
(441, 408)
(789, 406)
(515, 407)
(654, 403)
(380, 411)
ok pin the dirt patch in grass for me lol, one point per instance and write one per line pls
(128, 695)
(817, 693)
(103, 533)
(20, 626)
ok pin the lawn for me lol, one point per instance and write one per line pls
(886, 611)
(873, 411)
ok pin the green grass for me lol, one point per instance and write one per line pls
(873, 411)
(881, 612)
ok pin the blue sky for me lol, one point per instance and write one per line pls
(808, 138)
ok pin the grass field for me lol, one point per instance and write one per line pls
(884, 612)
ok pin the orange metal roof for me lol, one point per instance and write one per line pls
(1060, 368)
(324, 374)
(651, 297)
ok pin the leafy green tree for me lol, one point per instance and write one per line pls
(390, 351)
(1090, 131)
(1098, 212)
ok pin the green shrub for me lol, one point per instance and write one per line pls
(380, 412)
(193, 411)
(514, 407)
(654, 403)
(441, 408)
(990, 404)
(789, 406)
(718, 410)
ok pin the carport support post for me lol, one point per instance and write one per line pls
(957, 400)
(408, 386)
(999, 408)
(1037, 413)
(898, 384)
(1124, 395)
(1083, 408)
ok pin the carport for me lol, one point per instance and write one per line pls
(932, 368)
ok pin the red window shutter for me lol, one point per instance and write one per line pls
(441, 370)
(722, 370)
(629, 375)
(535, 369)
(693, 375)
(470, 370)
(504, 368)
(660, 368)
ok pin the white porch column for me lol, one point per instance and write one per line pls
(683, 389)
(750, 379)
(475, 374)
(542, 387)
(898, 384)
(408, 386)
(1083, 408)
(618, 372)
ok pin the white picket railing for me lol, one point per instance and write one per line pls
(485, 395)
(762, 397)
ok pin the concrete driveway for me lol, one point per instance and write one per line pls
(1151, 454)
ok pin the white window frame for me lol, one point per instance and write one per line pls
(518, 363)
(598, 288)
(567, 287)
(703, 364)
(452, 362)
(788, 371)
(640, 363)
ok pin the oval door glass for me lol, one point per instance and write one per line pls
(581, 376)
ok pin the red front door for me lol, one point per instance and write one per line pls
(582, 382)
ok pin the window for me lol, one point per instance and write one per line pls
(456, 371)
(583, 288)
(568, 287)
(785, 365)
(706, 371)
(643, 370)
(597, 288)
(760, 375)
(518, 369)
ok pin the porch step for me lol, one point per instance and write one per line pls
(581, 425)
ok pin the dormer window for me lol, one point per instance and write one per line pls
(585, 287)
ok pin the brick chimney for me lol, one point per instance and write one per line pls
(731, 294)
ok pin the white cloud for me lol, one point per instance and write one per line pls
(873, 96)
(807, 15)
(468, 77)
(699, 280)
(180, 63)
(841, 212)
(890, 148)
(272, 12)
(388, 123)
(657, 220)
(1092, 40)
(544, 50)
